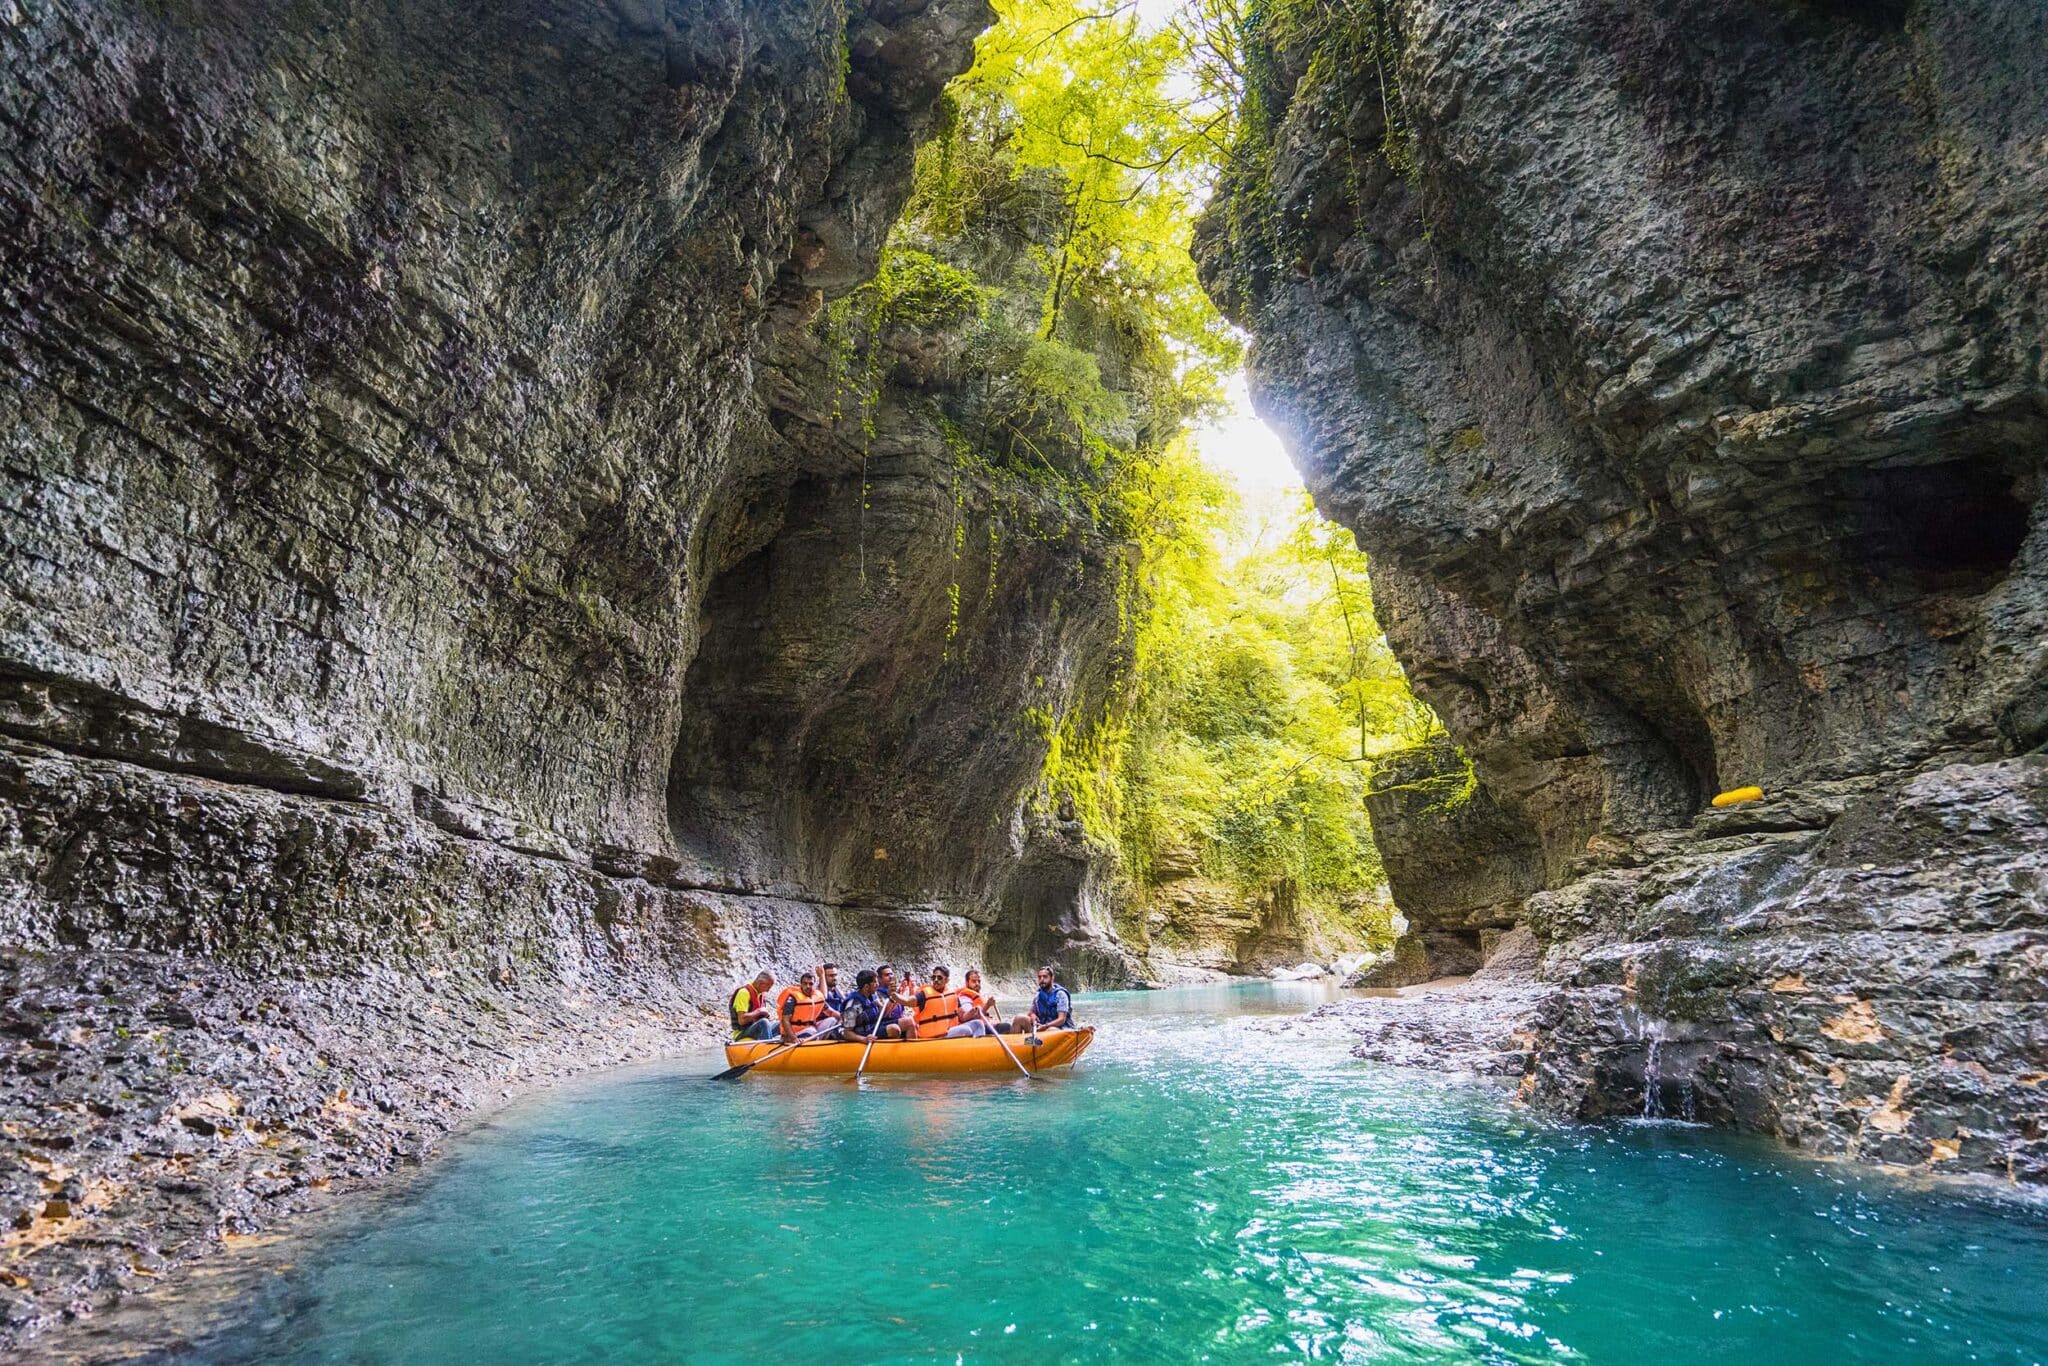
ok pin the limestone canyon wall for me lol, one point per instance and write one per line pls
(445, 637)
(1680, 367)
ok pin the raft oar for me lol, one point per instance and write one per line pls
(1009, 1050)
(876, 1034)
(732, 1073)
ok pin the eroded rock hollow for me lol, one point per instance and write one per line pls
(1680, 367)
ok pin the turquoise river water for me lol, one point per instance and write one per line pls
(1196, 1190)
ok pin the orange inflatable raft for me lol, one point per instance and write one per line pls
(1054, 1048)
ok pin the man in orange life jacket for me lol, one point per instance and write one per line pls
(938, 1011)
(979, 1003)
(751, 1012)
(803, 1011)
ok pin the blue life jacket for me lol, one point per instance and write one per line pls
(1050, 1004)
(835, 1000)
(863, 1014)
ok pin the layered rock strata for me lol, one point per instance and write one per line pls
(1679, 367)
(445, 638)
(1458, 866)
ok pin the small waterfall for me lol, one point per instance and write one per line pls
(1647, 1022)
(1655, 1032)
(1653, 1080)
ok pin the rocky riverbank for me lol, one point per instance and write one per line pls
(383, 979)
(1454, 1025)
(155, 1108)
(1196, 928)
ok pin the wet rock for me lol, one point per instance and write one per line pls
(1694, 428)
(1195, 928)
(450, 633)
(1458, 865)
(1467, 1031)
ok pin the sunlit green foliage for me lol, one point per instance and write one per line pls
(1048, 235)
(1072, 136)
(1049, 223)
(1264, 696)
(919, 290)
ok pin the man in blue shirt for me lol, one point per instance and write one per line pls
(1051, 1008)
(835, 995)
(869, 1010)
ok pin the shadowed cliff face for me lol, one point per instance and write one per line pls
(1688, 396)
(378, 372)
(448, 634)
(891, 621)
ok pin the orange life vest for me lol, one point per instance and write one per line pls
(806, 1009)
(937, 1013)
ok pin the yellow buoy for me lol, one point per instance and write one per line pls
(1738, 796)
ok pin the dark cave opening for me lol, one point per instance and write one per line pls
(1956, 527)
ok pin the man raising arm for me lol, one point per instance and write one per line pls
(803, 1011)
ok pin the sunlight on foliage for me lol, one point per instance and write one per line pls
(1265, 692)
(1072, 131)
(1041, 282)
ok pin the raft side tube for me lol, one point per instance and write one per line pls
(938, 1057)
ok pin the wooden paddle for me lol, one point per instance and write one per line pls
(731, 1073)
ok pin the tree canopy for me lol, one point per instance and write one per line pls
(1265, 692)
(1052, 216)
